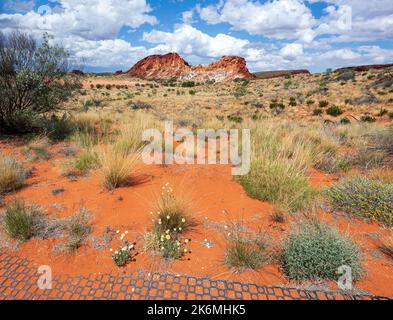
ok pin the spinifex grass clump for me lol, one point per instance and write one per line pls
(316, 251)
(129, 137)
(171, 220)
(278, 182)
(19, 220)
(78, 228)
(371, 199)
(281, 155)
(37, 148)
(117, 167)
(387, 246)
(81, 164)
(12, 175)
(246, 252)
(123, 253)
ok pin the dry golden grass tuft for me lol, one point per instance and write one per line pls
(117, 167)
(382, 174)
(387, 246)
(37, 148)
(12, 175)
(130, 131)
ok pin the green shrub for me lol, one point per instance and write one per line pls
(369, 119)
(293, 103)
(323, 104)
(345, 120)
(235, 118)
(240, 91)
(371, 199)
(188, 84)
(317, 112)
(58, 128)
(277, 107)
(382, 112)
(334, 111)
(316, 251)
(19, 220)
(34, 80)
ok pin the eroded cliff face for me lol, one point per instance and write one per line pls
(172, 65)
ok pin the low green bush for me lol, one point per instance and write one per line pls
(58, 128)
(235, 118)
(345, 120)
(188, 84)
(369, 119)
(317, 112)
(371, 199)
(334, 111)
(315, 251)
(323, 104)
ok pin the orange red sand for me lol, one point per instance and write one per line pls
(217, 200)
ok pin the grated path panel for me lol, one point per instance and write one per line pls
(18, 281)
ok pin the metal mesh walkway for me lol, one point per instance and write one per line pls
(18, 280)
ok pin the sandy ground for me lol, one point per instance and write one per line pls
(217, 200)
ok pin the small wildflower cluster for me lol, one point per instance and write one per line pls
(171, 246)
(169, 224)
(123, 253)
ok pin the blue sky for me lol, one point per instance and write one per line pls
(108, 35)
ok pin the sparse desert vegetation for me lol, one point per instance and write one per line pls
(318, 195)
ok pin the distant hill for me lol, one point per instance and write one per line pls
(172, 65)
(366, 67)
(278, 74)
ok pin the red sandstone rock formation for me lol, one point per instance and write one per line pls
(172, 65)
(77, 72)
